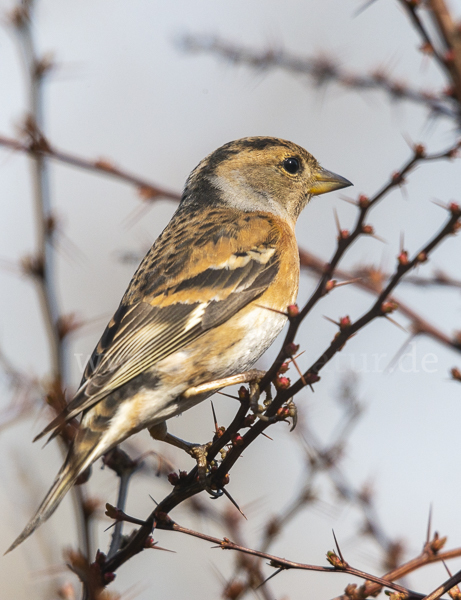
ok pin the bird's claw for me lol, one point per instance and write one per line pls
(200, 452)
(256, 408)
(288, 411)
(214, 493)
(292, 413)
(255, 392)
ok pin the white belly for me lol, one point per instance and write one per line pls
(153, 406)
(262, 326)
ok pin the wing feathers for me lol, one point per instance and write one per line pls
(152, 328)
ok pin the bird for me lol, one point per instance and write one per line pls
(205, 303)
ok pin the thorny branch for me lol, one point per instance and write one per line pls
(40, 267)
(450, 40)
(124, 467)
(338, 566)
(323, 70)
(345, 240)
(373, 584)
(190, 486)
(371, 280)
(38, 145)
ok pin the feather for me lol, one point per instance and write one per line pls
(141, 334)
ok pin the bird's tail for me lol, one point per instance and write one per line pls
(66, 477)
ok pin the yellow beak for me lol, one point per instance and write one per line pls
(326, 181)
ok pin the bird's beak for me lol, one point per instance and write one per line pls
(326, 181)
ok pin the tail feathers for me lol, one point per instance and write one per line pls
(62, 484)
(57, 424)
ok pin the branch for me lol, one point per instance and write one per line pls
(124, 467)
(445, 587)
(346, 330)
(191, 485)
(451, 36)
(345, 240)
(411, 7)
(37, 145)
(41, 266)
(450, 60)
(322, 70)
(284, 564)
(372, 282)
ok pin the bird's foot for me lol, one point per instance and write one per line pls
(288, 413)
(248, 377)
(199, 452)
(259, 409)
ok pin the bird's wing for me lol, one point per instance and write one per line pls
(179, 291)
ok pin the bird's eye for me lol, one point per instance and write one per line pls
(291, 165)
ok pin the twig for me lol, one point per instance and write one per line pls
(378, 309)
(147, 189)
(445, 587)
(412, 10)
(124, 467)
(41, 267)
(373, 584)
(321, 70)
(420, 325)
(277, 562)
(345, 240)
(449, 32)
(121, 501)
(189, 486)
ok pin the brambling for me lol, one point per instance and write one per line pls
(208, 299)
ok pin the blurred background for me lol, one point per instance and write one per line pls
(127, 87)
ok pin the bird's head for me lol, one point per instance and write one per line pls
(261, 173)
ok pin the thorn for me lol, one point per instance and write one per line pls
(437, 203)
(229, 395)
(299, 370)
(408, 141)
(338, 548)
(216, 427)
(446, 567)
(135, 216)
(429, 525)
(348, 200)
(401, 327)
(153, 500)
(270, 577)
(297, 356)
(348, 282)
(331, 320)
(155, 547)
(379, 238)
(226, 493)
(398, 354)
(268, 436)
(338, 225)
(402, 245)
(362, 8)
(404, 189)
(280, 312)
